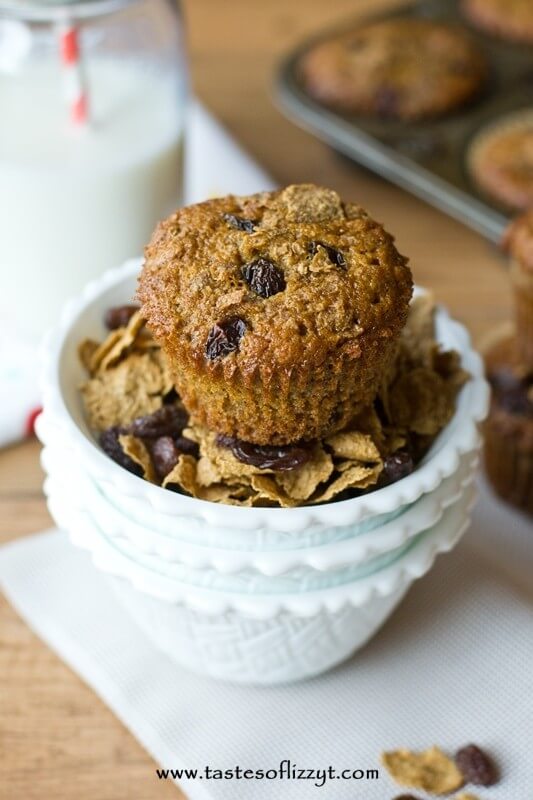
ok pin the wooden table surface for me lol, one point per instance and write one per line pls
(57, 739)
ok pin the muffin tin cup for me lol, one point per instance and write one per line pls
(62, 375)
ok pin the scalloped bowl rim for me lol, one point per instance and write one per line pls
(412, 565)
(424, 513)
(86, 528)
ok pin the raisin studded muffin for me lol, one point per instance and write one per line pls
(510, 19)
(279, 313)
(500, 160)
(519, 244)
(396, 68)
(509, 427)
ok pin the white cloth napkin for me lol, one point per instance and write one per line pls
(214, 165)
(454, 665)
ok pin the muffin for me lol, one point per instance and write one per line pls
(396, 68)
(519, 243)
(510, 19)
(509, 426)
(500, 160)
(279, 313)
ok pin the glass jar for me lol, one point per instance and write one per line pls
(92, 103)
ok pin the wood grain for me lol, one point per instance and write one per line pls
(57, 739)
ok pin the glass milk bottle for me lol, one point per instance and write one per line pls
(92, 113)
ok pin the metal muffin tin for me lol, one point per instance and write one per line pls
(426, 157)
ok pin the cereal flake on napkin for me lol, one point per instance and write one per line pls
(430, 770)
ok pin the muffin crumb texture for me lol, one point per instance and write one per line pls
(500, 160)
(278, 313)
(132, 405)
(400, 68)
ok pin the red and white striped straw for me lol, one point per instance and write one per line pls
(74, 79)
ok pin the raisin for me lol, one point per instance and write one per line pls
(224, 337)
(476, 766)
(334, 255)
(406, 797)
(263, 277)
(397, 466)
(503, 378)
(166, 421)
(516, 401)
(512, 392)
(240, 224)
(166, 450)
(118, 316)
(282, 458)
(187, 446)
(387, 101)
(164, 455)
(111, 446)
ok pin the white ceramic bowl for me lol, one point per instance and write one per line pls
(258, 652)
(249, 636)
(62, 374)
(260, 639)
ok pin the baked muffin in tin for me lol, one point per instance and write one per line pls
(401, 68)
(500, 160)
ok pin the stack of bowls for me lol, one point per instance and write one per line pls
(251, 595)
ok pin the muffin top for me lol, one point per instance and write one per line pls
(272, 282)
(519, 241)
(512, 19)
(396, 68)
(501, 160)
